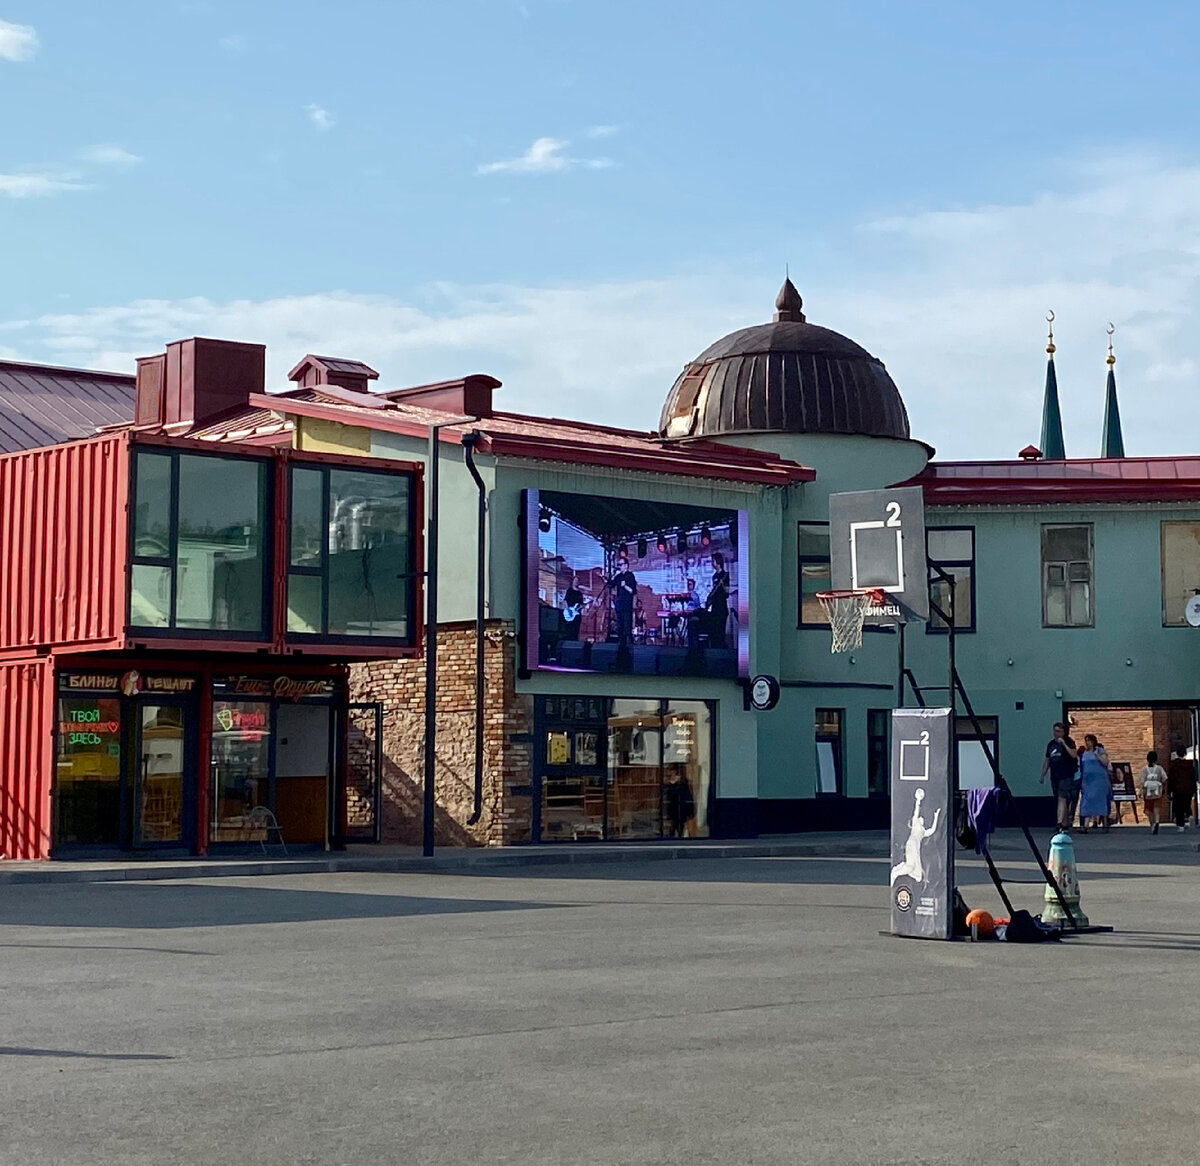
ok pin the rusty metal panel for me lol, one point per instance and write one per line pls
(26, 757)
(63, 544)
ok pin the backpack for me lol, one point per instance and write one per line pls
(1024, 928)
(1152, 786)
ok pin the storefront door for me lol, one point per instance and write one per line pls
(161, 788)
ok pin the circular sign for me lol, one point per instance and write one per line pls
(904, 898)
(764, 692)
(1191, 611)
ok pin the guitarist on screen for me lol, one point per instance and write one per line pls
(572, 611)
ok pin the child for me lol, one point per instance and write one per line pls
(1153, 780)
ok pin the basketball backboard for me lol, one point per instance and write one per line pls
(877, 539)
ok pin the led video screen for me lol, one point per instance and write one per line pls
(633, 586)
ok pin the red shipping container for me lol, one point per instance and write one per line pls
(26, 762)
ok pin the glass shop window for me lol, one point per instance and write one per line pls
(828, 733)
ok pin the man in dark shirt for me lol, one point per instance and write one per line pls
(624, 588)
(1061, 761)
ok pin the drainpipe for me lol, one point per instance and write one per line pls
(428, 818)
(469, 441)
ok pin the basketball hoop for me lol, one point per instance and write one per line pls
(846, 611)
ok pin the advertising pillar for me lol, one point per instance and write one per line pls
(922, 882)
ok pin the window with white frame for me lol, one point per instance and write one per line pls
(1067, 576)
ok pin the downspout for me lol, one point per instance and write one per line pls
(469, 441)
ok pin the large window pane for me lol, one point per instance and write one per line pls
(879, 722)
(813, 546)
(634, 761)
(308, 504)
(152, 506)
(87, 791)
(827, 726)
(304, 604)
(369, 559)
(1180, 568)
(150, 596)
(240, 769)
(687, 768)
(1067, 576)
(220, 565)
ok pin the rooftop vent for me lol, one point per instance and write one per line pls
(197, 380)
(332, 370)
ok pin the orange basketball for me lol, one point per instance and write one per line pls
(982, 920)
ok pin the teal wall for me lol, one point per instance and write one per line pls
(772, 755)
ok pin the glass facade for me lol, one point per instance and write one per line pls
(350, 567)
(87, 791)
(200, 539)
(241, 770)
(623, 768)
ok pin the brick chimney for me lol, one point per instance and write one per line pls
(314, 371)
(196, 380)
(472, 395)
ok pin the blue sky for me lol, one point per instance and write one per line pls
(578, 197)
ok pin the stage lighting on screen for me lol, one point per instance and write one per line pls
(681, 543)
(642, 548)
(705, 536)
(544, 520)
(623, 550)
(662, 543)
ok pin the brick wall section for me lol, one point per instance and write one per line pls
(400, 686)
(1129, 734)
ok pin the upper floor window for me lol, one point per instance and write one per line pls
(813, 563)
(200, 543)
(350, 556)
(1180, 569)
(1067, 576)
(953, 549)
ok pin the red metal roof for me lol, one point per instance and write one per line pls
(547, 438)
(1154, 479)
(41, 404)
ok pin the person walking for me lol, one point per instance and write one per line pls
(1095, 792)
(1181, 785)
(1153, 779)
(1061, 762)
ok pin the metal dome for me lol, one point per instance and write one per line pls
(788, 376)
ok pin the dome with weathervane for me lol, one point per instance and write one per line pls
(788, 376)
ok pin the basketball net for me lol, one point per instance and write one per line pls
(846, 611)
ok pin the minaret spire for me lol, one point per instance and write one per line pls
(1112, 443)
(1052, 430)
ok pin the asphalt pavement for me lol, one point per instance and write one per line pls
(740, 1010)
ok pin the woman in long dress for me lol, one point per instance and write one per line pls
(1095, 794)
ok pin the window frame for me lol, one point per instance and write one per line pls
(1179, 621)
(801, 559)
(326, 466)
(1066, 564)
(879, 745)
(171, 561)
(838, 740)
(932, 627)
(964, 731)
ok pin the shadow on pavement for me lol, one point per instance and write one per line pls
(856, 872)
(19, 1051)
(166, 905)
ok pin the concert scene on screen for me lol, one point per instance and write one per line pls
(627, 585)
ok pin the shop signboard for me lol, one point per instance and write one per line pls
(279, 687)
(922, 880)
(131, 682)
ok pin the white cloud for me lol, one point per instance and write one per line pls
(544, 156)
(234, 43)
(601, 131)
(18, 42)
(953, 301)
(35, 184)
(109, 155)
(321, 118)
